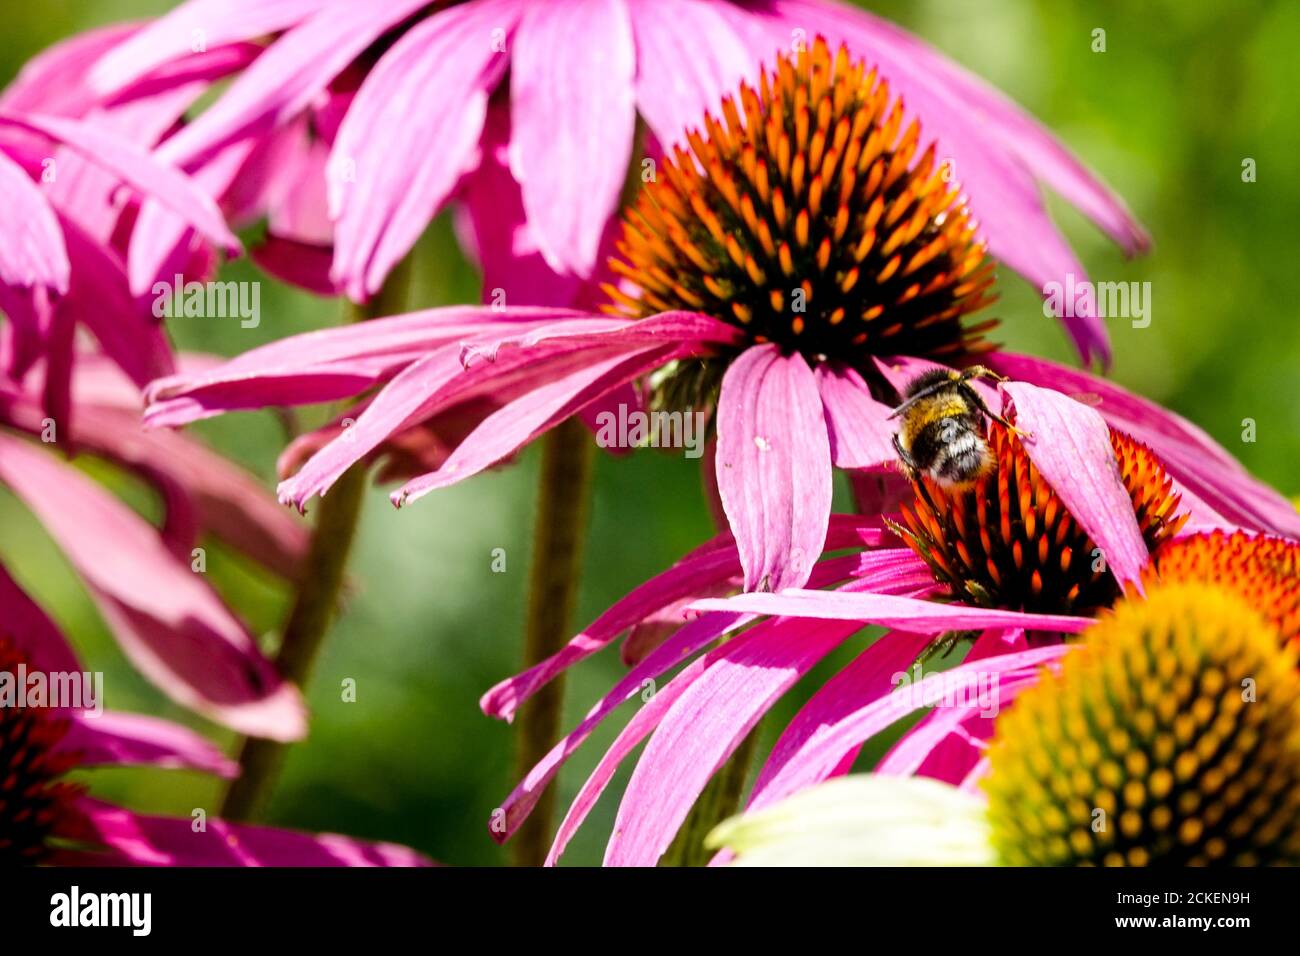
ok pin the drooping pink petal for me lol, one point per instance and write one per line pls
(494, 229)
(940, 742)
(689, 639)
(774, 465)
(173, 841)
(572, 119)
(168, 620)
(740, 681)
(888, 610)
(31, 244)
(37, 637)
(1191, 455)
(1069, 443)
(858, 425)
(822, 751)
(118, 739)
(514, 425)
(870, 675)
(53, 81)
(705, 567)
(689, 55)
(285, 79)
(140, 170)
(404, 170)
(174, 35)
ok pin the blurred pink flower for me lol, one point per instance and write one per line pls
(541, 164)
(47, 819)
(170, 623)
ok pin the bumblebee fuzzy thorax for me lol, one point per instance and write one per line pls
(808, 217)
(941, 431)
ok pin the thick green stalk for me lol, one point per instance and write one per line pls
(317, 600)
(562, 501)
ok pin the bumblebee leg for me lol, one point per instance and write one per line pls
(979, 403)
(908, 463)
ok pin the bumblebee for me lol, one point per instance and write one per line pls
(941, 432)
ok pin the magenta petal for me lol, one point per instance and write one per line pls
(53, 81)
(1191, 455)
(285, 79)
(861, 434)
(405, 171)
(172, 841)
(690, 638)
(704, 726)
(690, 54)
(822, 751)
(889, 610)
(31, 243)
(33, 633)
(1069, 443)
(140, 170)
(572, 119)
(511, 427)
(172, 36)
(869, 676)
(170, 623)
(117, 739)
(774, 465)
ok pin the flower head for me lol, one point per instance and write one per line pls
(1178, 719)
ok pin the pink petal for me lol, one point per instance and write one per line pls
(142, 172)
(572, 119)
(169, 622)
(687, 641)
(869, 676)
(494, 228)
(136, 740)
(1070, 446)
(53, 81)
(690, 54)
(31, 243)
(172, 36)
(33, 633)
(858, 425)
(774, 465)
(821, 752)
(741, 680)
(172, 841)
(513, 426)
(405, 171)
(1191, 455)
(927, 617)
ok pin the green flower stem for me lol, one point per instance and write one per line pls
(563, 498)
(317, 600)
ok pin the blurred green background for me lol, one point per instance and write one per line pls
(1183, 93)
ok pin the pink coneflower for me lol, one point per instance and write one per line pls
(146, 581)
(422, 130)
(1020, 578)
(50, 820)
(58, 270)
(801, 264)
